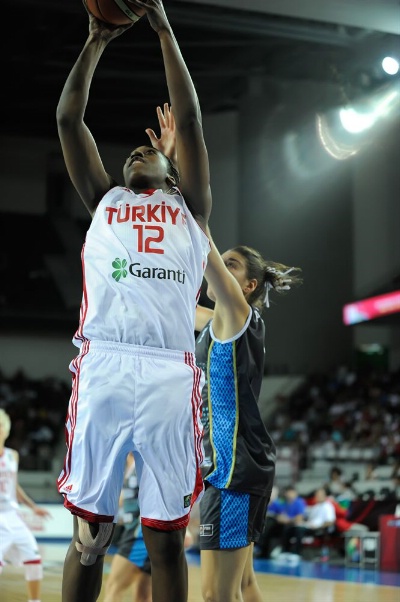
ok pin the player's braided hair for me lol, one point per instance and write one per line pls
(269, 275)
(174, 170)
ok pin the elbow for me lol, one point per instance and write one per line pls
(68, 113)
(189, 122)
(66, 120)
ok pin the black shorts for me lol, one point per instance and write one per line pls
(132, 547)
(230, 519)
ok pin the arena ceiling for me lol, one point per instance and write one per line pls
(222, 44)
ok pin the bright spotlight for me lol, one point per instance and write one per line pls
(355, 122)
(390, 65)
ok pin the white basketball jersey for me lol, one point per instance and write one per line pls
(143, 263)
(8, 481)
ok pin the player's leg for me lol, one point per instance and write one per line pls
(251, 591)
(89, 545)
(142, 588)
(168, 564)
(224, 544)
(193, 529)
(124, 574)
(130, 567)
(6, 536)
(33, 578)
(168, 445)
(230, 522)
(99, 432)
(26, 550)
(221, 574)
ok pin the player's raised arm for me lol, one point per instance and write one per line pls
(231, 308)
(80, 152)
(190, 145)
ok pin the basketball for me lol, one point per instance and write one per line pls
(115, 12)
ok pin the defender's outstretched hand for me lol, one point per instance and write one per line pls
(166, 143)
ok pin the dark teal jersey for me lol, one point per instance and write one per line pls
(239, 452)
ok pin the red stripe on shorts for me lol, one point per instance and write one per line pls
(72, 413)
(85, 514)
(196, 401)
(166, 525)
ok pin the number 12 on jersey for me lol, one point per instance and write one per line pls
(146, 240)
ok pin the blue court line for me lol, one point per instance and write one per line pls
(319, 570)
(324, 570)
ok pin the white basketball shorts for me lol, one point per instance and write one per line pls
(141, 399)
(17, 544)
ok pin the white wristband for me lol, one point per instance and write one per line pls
(128, 12)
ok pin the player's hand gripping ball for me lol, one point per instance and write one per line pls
(115, 12)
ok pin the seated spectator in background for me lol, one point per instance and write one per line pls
(284, 519)
(335, 483)
(370, 472)
(342, 523)
(320, 515)
(393, 491)
(346, 495)
(319, 521)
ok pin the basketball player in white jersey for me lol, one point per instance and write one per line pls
(17, 543)
(136, 386)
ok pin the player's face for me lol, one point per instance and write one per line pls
(146, 166)
(236, 265)
(4, 431)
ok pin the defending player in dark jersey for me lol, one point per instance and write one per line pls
(239, 462)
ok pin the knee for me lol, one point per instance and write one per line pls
(209, 595)
(33, 570)
(168, 547)
(93, 540)
(111, 589)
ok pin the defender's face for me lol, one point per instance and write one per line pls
(146, 162)
(236, 265)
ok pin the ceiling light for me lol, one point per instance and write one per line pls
(390, 65)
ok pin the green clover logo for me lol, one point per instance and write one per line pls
(119, 265)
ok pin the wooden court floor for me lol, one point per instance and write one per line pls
(277, 588)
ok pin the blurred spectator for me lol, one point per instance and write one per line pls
(335, 483)
(321, 513)
(37, 408)
(346, 495)
(370, 472)
(284, 518)
(342, 523)
(343, 410)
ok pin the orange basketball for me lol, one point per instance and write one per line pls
(116, 12)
